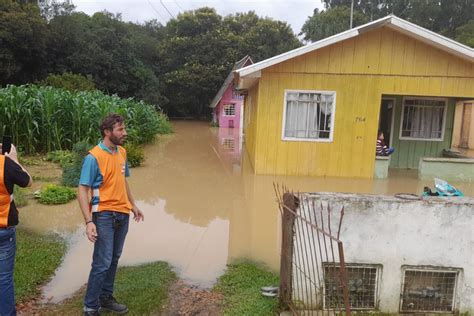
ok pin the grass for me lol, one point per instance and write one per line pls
(37, 258)
(241, 285)
(144, 289)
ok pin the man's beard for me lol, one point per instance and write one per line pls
(116, 140)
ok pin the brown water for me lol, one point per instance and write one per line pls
(203, 208)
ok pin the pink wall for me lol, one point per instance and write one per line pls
(227, 98)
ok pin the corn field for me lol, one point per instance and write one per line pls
(42, 119)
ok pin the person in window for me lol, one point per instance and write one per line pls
(381, 149)
(11, 174)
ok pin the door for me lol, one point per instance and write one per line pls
(386, 119)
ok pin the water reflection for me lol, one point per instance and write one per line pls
(203, 207)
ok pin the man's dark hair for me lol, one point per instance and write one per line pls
(108, 123)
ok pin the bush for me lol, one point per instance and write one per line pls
(72, 171)
(135, 155)
(63, 157)
(69, 81)
(56, 194)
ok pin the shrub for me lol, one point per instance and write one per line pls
(56, 194)
(72, 171)
(63, 157)
(135, 155)
(69, 81)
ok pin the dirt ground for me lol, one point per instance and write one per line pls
(186, 299)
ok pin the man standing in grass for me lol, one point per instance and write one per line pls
(106, 213)
(11, 173)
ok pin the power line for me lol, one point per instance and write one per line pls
(158, 12)
(178, 5)
(161, 1)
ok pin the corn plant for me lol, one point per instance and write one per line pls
(44, 119)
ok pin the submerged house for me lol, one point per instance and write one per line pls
(227, 103)
(315, 110)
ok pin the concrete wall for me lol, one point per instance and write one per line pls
(395, 232)
(449, 169)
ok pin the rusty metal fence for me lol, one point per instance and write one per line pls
(313, 278)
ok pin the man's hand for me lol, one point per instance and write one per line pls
(137, 214)
(91, 232)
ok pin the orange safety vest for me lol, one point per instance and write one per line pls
(112, 193)
(5, 197)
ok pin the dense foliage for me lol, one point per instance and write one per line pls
(56, 194)
(178, 67)
(451, 18)
(49, 119)
(69, 81)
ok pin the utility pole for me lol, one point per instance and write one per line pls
(352, 10)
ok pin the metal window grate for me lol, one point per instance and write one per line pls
(423, 118)
(362, 284)
(426, 290)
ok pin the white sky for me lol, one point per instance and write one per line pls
(294, 12)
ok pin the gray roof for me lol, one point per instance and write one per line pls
(241, 63)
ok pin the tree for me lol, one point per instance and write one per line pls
(201, 48)
(23, 38)
(465, 34)
(329, 22)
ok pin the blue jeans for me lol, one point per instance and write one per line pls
(7, 263)
(112, 227)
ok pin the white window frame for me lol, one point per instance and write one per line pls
(445, 114)
(322, 140)
(229, 104)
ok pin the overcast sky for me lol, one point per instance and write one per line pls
(295, 12)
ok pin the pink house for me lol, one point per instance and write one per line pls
(227, 104)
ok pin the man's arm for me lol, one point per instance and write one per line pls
(88, 175)
(137, 213)
(20, 176)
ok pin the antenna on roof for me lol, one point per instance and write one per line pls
(352, 11)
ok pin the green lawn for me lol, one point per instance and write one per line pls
(241, 285)
(37, 258)
(144, 289)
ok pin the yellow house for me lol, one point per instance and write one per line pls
(315, 110)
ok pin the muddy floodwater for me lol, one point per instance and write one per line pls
(203, 208)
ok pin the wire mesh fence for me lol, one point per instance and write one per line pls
(313, 278)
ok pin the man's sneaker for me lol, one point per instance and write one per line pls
(111, 304)
(91, 313)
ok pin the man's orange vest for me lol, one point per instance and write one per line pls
(112, 193)
(5, 197)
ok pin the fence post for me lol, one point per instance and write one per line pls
(290, 201)
(345, 289)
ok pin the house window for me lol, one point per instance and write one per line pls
(229, 110)
(308, 115)
(428, 289)
(228, 144)
(423, 119)
(362, 283)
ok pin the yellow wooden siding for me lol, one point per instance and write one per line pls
(251, 122)
(360, 70)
